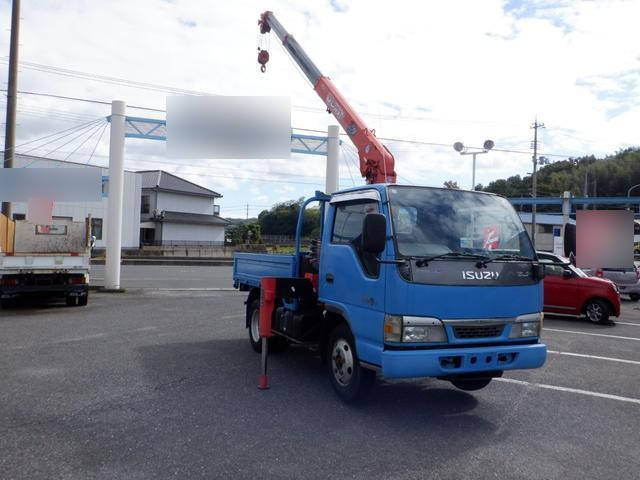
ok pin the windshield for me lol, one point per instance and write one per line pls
(432, 221)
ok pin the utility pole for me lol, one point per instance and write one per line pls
(534, 179)
(12, 91)
(585, 189)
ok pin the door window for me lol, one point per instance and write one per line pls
(347, 225)
(347, 229)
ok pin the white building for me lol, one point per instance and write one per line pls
(175, 211)
(158, 208)
(78, 211)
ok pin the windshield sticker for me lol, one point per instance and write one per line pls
(491, 237)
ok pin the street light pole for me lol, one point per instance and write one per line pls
(462, 150)
(629, 192)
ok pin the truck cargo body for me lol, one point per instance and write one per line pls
(46, 261)
(455, 293)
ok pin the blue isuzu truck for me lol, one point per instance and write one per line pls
(404, 282)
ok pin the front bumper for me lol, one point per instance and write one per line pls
(629, 288)
(455, 361)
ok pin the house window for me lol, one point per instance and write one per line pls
(145, 205)
(96, 228)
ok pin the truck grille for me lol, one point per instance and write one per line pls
(478, 331)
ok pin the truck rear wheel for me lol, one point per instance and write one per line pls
(276, 343)
(71, 300)
(350, 381)
(83, 300)
(7, 303)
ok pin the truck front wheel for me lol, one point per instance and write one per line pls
(471, 384)
(350, 381)
(276, 343)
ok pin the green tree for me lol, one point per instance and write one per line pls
(282, 219)
(243, 233)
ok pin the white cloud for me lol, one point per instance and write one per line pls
(463, 70)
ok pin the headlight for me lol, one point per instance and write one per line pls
(529, 325)
(413, 329)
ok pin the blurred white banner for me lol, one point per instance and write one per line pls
(57, 184)
(228, 127)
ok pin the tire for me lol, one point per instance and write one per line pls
(597, 311)
(276, 344)
(83, 300)
(7, 303)
(634, 297)
(72, 301)
(471, 384)
(349, 380)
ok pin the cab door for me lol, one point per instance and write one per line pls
(352, 281)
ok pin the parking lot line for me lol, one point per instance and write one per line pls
(570, 390)
(597, 357)
(588, 333)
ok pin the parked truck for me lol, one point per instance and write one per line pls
(49, 260)
(405, 281)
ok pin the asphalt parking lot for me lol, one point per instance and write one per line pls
(161, 383)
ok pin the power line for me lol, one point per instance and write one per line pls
(96, 130)
(389, 139)
(97, 142)
(99, 102)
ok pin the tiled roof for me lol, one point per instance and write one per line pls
(181, 217)
(167, 181)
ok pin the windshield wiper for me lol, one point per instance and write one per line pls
(424, 261)
(508, 256)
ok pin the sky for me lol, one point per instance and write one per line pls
(427, 72)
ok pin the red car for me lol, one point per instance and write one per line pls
(569, 291)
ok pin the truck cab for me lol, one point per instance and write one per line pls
(407, 282)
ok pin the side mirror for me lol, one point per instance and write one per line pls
(538, 271)
(374, 233)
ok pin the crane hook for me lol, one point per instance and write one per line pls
(263, 58)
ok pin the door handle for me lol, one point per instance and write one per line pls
(329, 278)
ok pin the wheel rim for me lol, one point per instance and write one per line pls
(342, 362)
(594, 312)
(255, 326)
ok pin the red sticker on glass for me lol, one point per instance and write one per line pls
(491, 237)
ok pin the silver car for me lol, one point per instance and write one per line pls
(626, 279)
